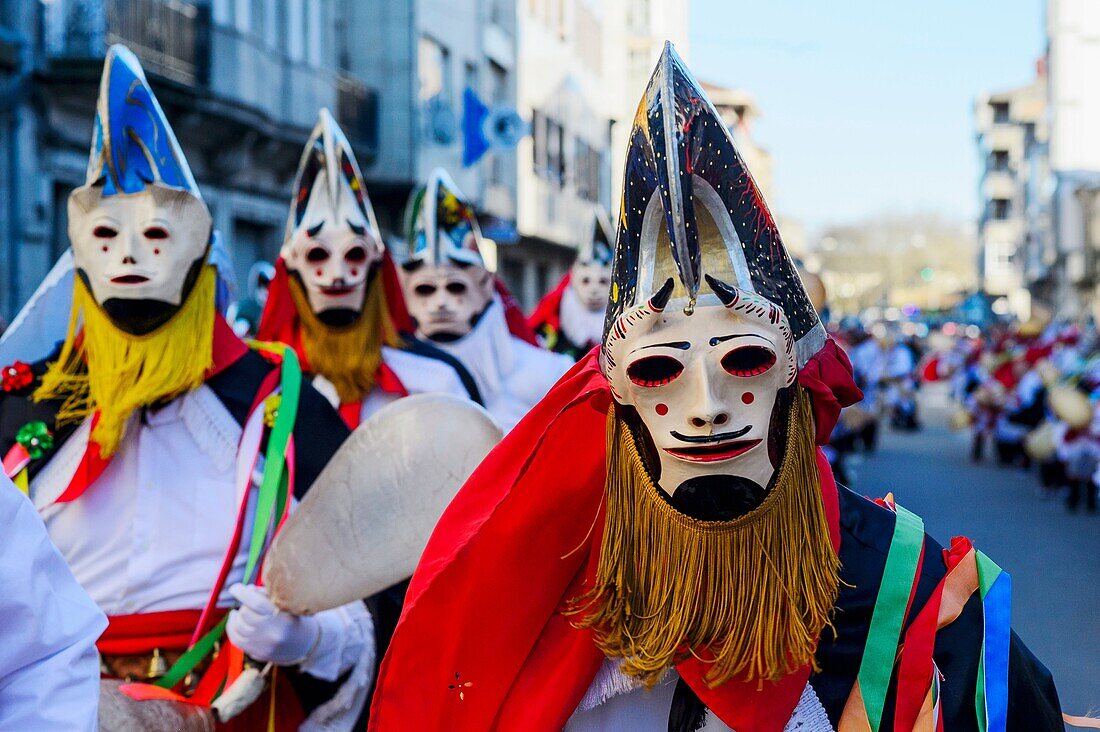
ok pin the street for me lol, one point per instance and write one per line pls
(1053, 557)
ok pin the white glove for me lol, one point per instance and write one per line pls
(266, 633)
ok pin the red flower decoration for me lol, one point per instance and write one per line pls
(16, 376)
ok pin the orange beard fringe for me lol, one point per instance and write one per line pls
(348, 357)
(750, 596)
(104, 368)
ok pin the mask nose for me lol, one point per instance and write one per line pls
(128, 249)
(709, 410)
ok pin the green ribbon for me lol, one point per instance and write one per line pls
(274, 486)
(888, 616)
(270, 504)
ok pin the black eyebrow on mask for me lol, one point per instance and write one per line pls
(315, 230)
(681, 345)
(722, 339)
(356, 228)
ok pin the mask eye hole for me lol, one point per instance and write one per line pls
(456, 288)
(748, 361)
(316, 255)
(156, 232)
(425, 290)
(654, 371)
(104, 232)
(356, 255)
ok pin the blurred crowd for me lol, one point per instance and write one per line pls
(1027, 393)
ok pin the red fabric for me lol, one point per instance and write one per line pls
(481, 644)
(930, 372)
(131, 635)
(548, 312)
(828, 378)
(513, 313)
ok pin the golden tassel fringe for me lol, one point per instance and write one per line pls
(105, 368)
(348, 357)
(750, 596)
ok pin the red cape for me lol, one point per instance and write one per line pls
(280, 321)
(548, 311)
(481, 644)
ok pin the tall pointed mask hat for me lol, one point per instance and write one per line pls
(332, 241)
(598, 247)
(139, 228)
(692, 209)
(441, 225)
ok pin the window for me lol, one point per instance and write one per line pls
(1000, 112)
(586, 167)
(472, 80)
(548, 148)
(538, 141)
(998, 160)
(555, 152)
(434, 64)
(1001, 208)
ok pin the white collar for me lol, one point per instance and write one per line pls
(583, 327)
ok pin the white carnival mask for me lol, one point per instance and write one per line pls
(591, 281)
(332, 242)
(144, 246)
(445, 300)
(704, 385)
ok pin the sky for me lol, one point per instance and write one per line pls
(867, 106)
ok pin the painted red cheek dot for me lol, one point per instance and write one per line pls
(661, 409)
(318, 273)
(355, 273)
(747, 397)
(104, 247)
(156, 251)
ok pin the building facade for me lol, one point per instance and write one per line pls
(564, 166)
(421, 56)
(1073, 51)
(1009, 125)
(241, 82)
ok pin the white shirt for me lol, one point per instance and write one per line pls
(579, 324)
(418, 374)
(511, 374)
(151, 533)
(49, 669)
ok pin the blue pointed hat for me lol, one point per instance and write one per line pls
(691, 210)
(133, 145)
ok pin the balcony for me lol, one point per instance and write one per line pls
(170, 36)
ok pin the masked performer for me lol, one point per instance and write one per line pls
(660, 544)
(336, 297)
(159, 450)
(569, 320)
(458, 305)
(49, 670)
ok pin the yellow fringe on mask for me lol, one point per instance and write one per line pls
(102, 367)
(750, 595)
(349, 356)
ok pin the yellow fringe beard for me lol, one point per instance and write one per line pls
(749, 596)
(349, 356)
(104, 368)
